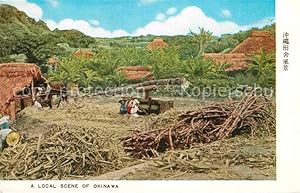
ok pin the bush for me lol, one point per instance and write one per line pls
(262, 66)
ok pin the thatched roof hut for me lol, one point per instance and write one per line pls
(238, 61)
(13, 78)
(136, 72)
(255, 42)
(239, 56)
(52, 61)
(157, 43)
(85, 53)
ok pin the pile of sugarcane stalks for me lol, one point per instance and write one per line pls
(208, 124)
(64, 152)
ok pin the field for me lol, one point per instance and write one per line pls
(240, 157)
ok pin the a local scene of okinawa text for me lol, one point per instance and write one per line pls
(137, 90)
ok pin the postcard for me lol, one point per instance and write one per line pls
(149, 96)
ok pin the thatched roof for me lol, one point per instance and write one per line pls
(238, 61)
(256, 41)
(86, 53)
(52, 61)
(239, 56)
(14, 77)
(157, 43)
(136, 72)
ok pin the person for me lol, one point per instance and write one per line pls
(3, 135)
(37, 105)
(48, 90)
(123, 106)
(4, 122)
(132, 107)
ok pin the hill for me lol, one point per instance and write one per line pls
(22, 35)
(25, 39)
(12, 17)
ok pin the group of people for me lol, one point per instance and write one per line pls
(131, 107)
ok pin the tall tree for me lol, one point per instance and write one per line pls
(203, 39)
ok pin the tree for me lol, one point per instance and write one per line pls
(74, 38)
(37, 47)
(165, 62)
(69, 70)
(116, 79)
(262, 65)
(203, 39)
(89, 76)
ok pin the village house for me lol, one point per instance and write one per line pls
(136, 73)
(156, 44)
(239, 56)
(17, 82)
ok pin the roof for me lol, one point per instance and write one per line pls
(157, 43)
(256, 41)
(238, 58)
(136, 72)
(238, 61)
(52, 61)
(14, 77)
(86, 53)
(19, 70)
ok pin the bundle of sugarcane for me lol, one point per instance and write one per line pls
(208, 124)
(64, 152)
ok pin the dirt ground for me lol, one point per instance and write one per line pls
(239, 157)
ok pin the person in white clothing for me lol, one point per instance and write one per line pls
(133, 107)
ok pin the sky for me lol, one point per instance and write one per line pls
(115, 18)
